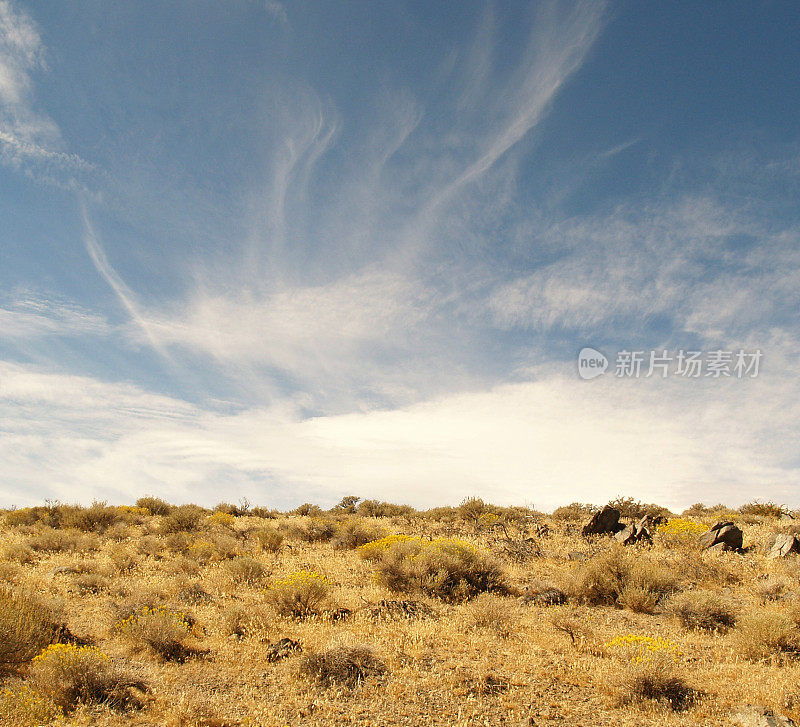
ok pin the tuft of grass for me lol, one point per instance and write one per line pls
(244, 621)
(71, 675)
(489, 611)
(654, 679)
(761, 635)
(704, 610)
(27, 625)
(298, 595)
(22, 706)
(159, 630)
(343, 666)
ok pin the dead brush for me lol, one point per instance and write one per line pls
(342, 666)
(72, 675)
(703, 610)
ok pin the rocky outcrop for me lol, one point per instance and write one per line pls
(604, 522)
(785, 544)
(723, 536)
(634, 533)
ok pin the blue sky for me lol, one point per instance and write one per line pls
(293, 251)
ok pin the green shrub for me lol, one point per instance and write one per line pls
(621, 578)
(154, 505)
(27, 625)
(298, 595)
(449, 569)
(72, 675)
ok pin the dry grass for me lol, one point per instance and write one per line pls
(458, 642)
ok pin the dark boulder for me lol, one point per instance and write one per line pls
(724, 534)
(604, 522)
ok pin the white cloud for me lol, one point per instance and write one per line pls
(29, 139)
(34, 316)
(539, 442)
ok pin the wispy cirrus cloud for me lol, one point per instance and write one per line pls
(29, 139)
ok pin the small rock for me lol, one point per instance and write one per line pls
(784, 545)
(634, 533)
(757, 716)
(282, 649)
(549, 596)
(577, 555)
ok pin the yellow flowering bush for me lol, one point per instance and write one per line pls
(374, 549)
(221, 518)
(69, 675)
(25, 707)
(299, 594)
(681, 527)
(639, 648)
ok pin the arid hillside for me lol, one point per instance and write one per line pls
(377, 614)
